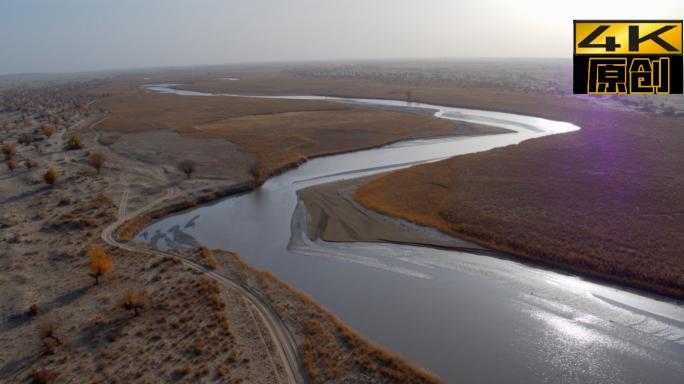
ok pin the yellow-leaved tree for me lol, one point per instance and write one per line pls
(75, 142)
(50, 177)
(100, 263)
(133, 299)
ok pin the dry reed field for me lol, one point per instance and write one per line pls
(606, 201)
(281, 132)
(488, 85)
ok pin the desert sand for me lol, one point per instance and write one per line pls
(207, 316)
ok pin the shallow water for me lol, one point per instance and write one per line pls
(465, 317)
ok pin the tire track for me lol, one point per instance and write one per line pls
(124, 199)
(263, 340)
(96, 140)
(283, 338)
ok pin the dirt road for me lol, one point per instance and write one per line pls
(284, 340)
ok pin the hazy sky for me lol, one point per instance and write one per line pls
(80, 35)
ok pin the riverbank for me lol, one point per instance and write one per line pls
(603, 201)
(193, 325)
(407, 311)
(334, 215)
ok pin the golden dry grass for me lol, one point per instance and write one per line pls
(607, 201)
(282, 133)
(277, 81)
(332, 352)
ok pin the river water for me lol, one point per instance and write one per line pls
(467, 318)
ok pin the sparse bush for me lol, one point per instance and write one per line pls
(133, 299)
(30, 163)
(97, 160)
(64, 201)
(8, 151)
(49, 347)
(75, 142)
(259, 174)
(187, 166)
(100, 264)
(206, 257)
(10, 165)
(50, 177)
(42, 376)
(21, 139)
(182, 371)
(47, 131)
(33, 310)
(48, 328)
(83, 222)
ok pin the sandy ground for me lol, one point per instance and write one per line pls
(208, 316)
(44, 235)
(334, 215)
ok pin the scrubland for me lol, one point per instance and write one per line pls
(57, 325)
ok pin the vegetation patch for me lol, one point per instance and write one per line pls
(606, 201)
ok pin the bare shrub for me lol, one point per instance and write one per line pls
(187, 166)
(259, 174)
(182, 371)
(49, 347)
(33, 310)
(30, 163)
(42, 376)
(97, 160)
(48, 328)
(206, 257)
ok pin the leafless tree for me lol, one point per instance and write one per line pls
(30, 163)
(187, 166)
(97, 160)
(48, 328)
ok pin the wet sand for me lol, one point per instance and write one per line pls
(335, 216)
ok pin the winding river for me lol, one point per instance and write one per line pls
(467, 318)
